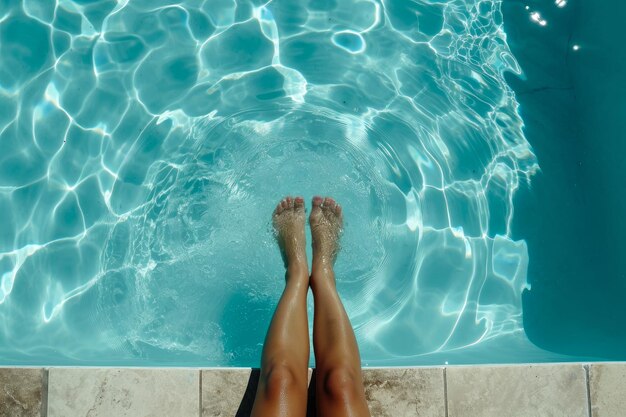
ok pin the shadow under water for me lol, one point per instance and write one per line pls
(572, 218)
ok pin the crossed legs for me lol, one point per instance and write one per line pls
(282, 389)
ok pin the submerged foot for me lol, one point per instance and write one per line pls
(288, 220)
(326, 221)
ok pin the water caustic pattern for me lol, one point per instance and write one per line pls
(144, 145)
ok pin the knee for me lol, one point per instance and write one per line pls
(278, 380)
(341, 384)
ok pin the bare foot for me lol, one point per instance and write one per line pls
(326, 222)
(288, 222)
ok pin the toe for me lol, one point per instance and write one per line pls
(329, 203)
(290, 202)
(316, 211)
(279, 208)
(299, 203)
(338, 210)
(284, 204)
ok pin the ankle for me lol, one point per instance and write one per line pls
(298, 269)
(322, 274)
(322, 265)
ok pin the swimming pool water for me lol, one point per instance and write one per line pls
(572, 102)
(144, 144)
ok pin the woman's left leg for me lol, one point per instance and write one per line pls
(282, 389)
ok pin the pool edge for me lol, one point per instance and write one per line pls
(585, 389)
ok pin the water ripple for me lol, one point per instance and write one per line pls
(144, 144)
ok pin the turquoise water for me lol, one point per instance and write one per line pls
(143, 145)
(572, 102)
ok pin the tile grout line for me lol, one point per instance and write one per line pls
(588, 386)
(199, 393)
(44, 393)
(445, 392)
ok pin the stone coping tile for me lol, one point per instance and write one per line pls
(390, 392)
(230, 392)
(100, 392)
(22, 392)
(399, 392)
(607, 388)
(517, 391)
(504, 391)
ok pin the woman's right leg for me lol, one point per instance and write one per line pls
(339, 384)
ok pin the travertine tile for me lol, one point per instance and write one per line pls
(607, 386)
(405, 392)
(517, 391)
(229, 392)
(21, 392)
(99, 392)
(225, 391)
(390, 392)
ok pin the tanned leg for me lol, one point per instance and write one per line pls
(339, 384)
(282, 389)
